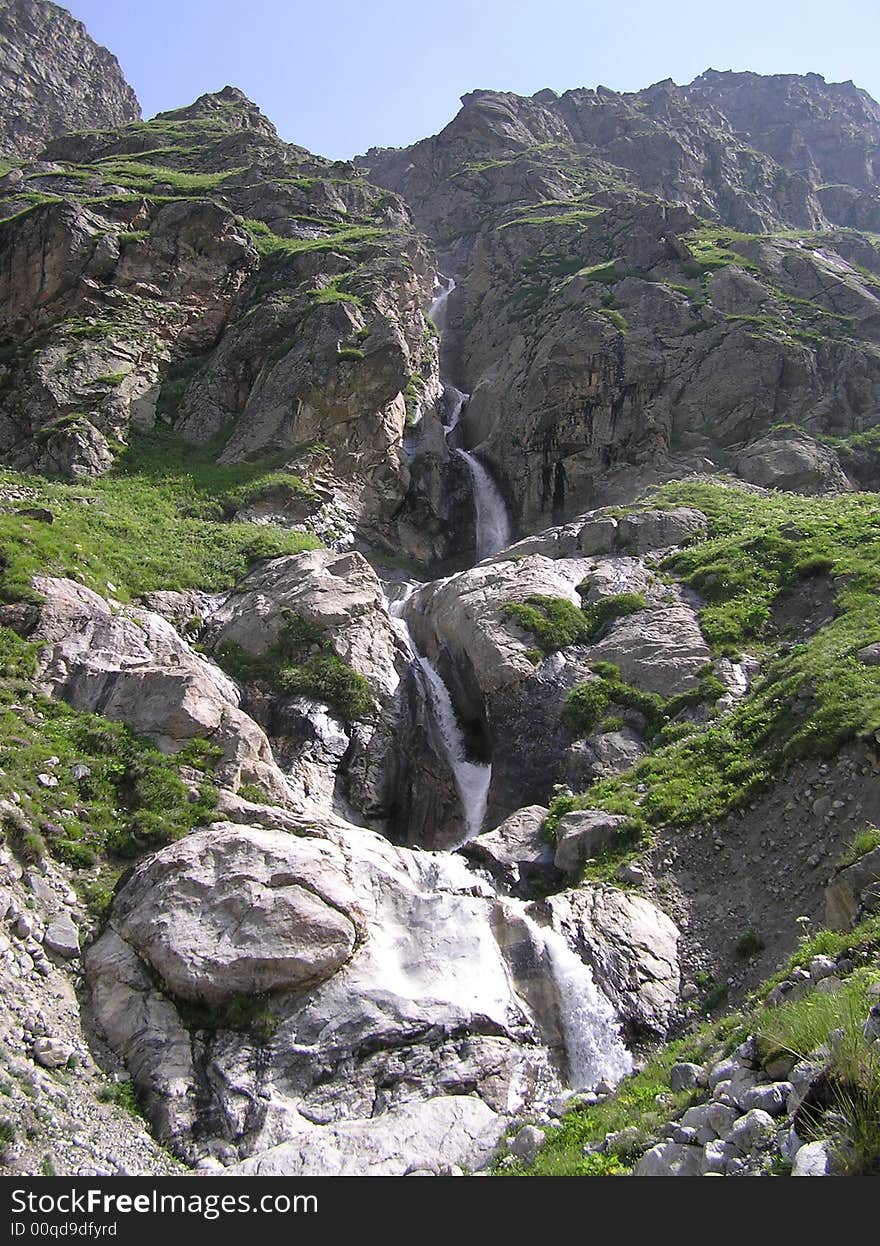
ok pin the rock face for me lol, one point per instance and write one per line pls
(55, 79)
(401, 1006)
(510, 697)
(133, 666)
(224, 282)
(623, 338)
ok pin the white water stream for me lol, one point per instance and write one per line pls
(472, 778)
(493, 524)
(590, 1027)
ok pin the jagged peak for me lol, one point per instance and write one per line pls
(230, 106)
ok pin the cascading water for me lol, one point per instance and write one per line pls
(493, 524)
(472, 779)
(590, 1027)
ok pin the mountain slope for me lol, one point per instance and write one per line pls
(54, 78)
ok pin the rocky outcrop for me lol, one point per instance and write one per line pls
(131, 665)
(55, 79)
(396, 996)
(510, 696)
(632, 948)
(227, 283)
(624, 338)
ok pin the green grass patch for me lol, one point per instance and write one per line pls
(812, 695)
(302, 663)
(558, 623)
(122, 796)
(154, 522)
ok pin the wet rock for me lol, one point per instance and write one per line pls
(631, 947)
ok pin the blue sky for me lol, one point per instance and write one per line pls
(341, 76)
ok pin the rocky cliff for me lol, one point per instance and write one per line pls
(391, 766)
(54, 79)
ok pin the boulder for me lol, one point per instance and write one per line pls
(641, 532)
(669, 1159)
(711, 1120)
(130, 664)
(793, 461)
(52, 1053)
(385, 979)
(686, 1076)
(518, 851)
(583, 834)
(62, 937)
(631, 947)
(455, 1130)
(755, 1131)
(230, 912)
(814, 1159)
(661, 651)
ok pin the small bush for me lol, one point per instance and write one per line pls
(750, 944)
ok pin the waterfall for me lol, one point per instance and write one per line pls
(590, 1026)
(493, 525)
(443, 287)
(472, 778)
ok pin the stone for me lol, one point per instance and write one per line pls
(716, 1157)
(62, 937)
(755, 1131)
(769, 1097)
(233, 912)
(869, 655)
(813, 1159)
(458, 1130)
(516, 850)
(630, 873)
(527, 1143)
(723, 1071)
(822, 967)
(686, 1076)
(645, 531)
(52, 1053)
(631, 947)
(669, 1159)
(711, 1120)
(585, 833)
(872, 1024)
(793, 461)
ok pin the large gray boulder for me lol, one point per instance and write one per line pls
(583, 834)
(631, 947)
(131, 665)
(794, 461)
(224, 914)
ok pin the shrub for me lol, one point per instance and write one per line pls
(302, 663)
(749, 945)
